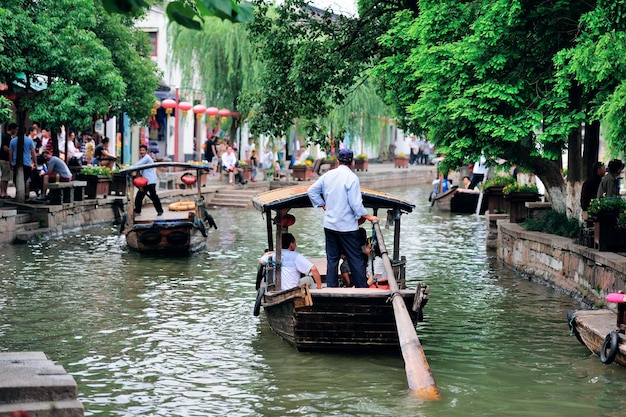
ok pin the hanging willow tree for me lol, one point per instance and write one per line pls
(362, 117)
(218, 59)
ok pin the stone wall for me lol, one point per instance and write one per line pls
(581, 272)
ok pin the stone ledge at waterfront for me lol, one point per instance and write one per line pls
(582, 273)
(32, 383)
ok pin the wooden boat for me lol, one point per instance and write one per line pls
(459, 200)
(333, 318)
(182, 229)
(602, 331)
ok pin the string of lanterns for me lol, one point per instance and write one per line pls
(199, 110)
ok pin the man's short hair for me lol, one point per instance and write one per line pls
(287, 240)
(45, 151)
(143, 147)
(596, 167)
(32, 129)
(12, 126)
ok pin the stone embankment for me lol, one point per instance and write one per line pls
(33, 384)
(581, 272)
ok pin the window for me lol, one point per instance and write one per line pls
(153, 36)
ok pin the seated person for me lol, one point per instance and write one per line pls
(103, 156)
(375, 267)
(292, 265)
(229, 164)
(344, 272)
(54, 166)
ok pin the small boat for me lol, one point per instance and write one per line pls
(345, 319)
(333, 318)
(458, 200)
(602, 330)
(182, 229)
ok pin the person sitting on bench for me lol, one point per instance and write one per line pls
(54, 170)
(102, 154)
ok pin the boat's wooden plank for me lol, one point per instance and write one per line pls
(593, 326)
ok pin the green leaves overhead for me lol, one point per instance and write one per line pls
(189, 14)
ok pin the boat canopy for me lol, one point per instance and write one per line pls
(296, 197)
(157, 165)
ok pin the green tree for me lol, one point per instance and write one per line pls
(482, 80)
(60, 72)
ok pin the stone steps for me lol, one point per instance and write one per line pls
(31, 382)
(233, 197)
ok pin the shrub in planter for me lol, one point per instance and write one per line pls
(499, 181)
(607, 205)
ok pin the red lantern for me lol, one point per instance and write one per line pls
(140, 182)
(169, 105)
(212, 112)
(224, 113)
(199, 110)
(184, 106)
(188, 179)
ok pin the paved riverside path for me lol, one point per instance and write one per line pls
(30, 382)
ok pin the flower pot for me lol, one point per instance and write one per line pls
(361, 164)
(400, 162)
(247, 174)
(97, 185)
(518, 212)
(118, 184)
(496, 201)
(301, 173)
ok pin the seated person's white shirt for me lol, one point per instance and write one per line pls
(292, 265)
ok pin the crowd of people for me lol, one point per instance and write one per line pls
(42, 163)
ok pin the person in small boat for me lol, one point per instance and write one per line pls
(292, 265)
(591, 184)
(338, 193)
(375, 267)
(150, 189)
(466, 181)
(478, 173)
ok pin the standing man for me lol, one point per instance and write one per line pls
(5, 164)
(54, 166)
(415, 147)
(150, 189)
(478, 173)
(609, 185)
(338, 192)
(591, 184)
(29, 159)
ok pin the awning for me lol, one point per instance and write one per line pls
(164, 91)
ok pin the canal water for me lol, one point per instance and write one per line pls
(151, 336)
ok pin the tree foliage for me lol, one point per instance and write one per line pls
(191, 14)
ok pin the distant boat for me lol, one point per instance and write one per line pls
(458, 200)
(182, 229)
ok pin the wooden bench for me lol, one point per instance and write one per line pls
(66, 192)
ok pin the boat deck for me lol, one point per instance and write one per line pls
(148, 215)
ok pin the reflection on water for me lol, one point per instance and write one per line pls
(161, 337)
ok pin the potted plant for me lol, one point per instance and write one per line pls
(518, 195)
(401, 161)
(361, 163)
(493, 189)
(98, 180)
(302, 171)
(609, 223)
(118, 182)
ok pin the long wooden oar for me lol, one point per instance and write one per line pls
(418, 373)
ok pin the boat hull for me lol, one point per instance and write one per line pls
(337, 319)
(460, 201)
(170, 238)
(592, 326)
